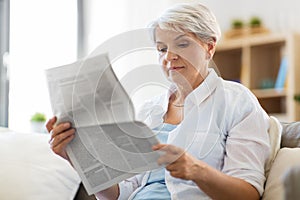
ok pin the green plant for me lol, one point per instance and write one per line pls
(255, 22)
(38, 117)
(297, 97)
(237, 23)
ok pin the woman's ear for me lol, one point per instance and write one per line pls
(211, 48)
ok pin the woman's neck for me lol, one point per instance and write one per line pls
(184, 89)
(178, 97)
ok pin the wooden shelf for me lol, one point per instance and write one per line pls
(269, 93)
(257, 39)
(255, 60)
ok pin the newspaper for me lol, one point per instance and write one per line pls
(109, 144)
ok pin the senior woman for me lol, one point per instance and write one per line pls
(213, 132)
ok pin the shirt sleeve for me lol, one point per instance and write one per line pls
(247, 145)
(128, 186)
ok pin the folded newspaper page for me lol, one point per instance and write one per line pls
(109, 144)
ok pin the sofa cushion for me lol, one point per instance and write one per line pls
(274, 131)
(30, 170)
(291, 181)
(286, 158)
(290, 134)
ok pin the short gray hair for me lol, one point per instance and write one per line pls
(189, 17)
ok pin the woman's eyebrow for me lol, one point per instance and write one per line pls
(180, 36)
(177, 38)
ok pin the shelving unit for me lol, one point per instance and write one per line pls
(294, 75)
(255, 61)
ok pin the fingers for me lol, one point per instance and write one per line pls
(50, 124)
(167, 148)
(58, 139)
(175, 171)
(172, 153)
(61, 136)
(171, 167)
(59, 144)
(179, 163)
(60, 128)
(168, 159)
(158, 146)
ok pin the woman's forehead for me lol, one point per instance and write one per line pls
(165, 34)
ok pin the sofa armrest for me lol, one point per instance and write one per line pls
(286, 159)
(30, 170)
(291, 181)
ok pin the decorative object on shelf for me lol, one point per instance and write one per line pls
(256, 26)
(240, 29)
(255, 22)
(267, 83)
(297, 98)
(37, 122)
(237, 24)
(237, 29)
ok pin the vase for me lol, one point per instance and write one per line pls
(38, 127)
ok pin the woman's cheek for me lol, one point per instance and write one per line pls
(163, 63)
(165, 69)
(161, 59)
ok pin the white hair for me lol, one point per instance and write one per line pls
(189, 17)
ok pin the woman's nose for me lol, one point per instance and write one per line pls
(169, 56)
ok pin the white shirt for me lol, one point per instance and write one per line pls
(224, 126)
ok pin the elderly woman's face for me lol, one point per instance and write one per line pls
(184, 58)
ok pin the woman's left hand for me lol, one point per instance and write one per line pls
(178, 162)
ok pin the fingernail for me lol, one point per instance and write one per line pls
(66, 125)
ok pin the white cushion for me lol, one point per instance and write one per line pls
(274, 131)
(30, 170)
(286, 158)
(291, 182)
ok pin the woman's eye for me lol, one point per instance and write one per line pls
(183, 45)
(162, 49)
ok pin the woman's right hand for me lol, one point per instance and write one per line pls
(61, 135)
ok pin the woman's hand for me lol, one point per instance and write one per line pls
(61, 136)
(179, 163)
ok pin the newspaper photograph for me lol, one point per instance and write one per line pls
(109, 144)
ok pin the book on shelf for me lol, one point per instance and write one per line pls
(282, 74)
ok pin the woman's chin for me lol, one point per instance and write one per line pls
(179, 79)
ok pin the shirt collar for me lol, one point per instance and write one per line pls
(204, 90)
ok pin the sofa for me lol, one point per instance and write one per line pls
(283, 172)
(29, 170)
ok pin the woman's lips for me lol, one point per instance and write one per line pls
(175, 68)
